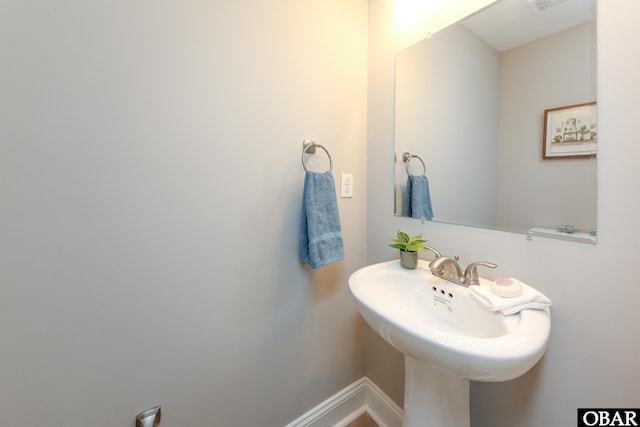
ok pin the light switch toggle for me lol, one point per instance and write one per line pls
(148, 418)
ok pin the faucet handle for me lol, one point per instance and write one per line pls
(471, 272)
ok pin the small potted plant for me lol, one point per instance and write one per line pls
(583, 131)
(409, 248)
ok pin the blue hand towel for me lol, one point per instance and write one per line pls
(320, 234)
(416, 202)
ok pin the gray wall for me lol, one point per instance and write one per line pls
(593, 352)
(528, 185)
(150, 188)
(436, 119)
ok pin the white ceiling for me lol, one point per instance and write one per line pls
(510, 23)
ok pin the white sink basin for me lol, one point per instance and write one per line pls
(444, 333)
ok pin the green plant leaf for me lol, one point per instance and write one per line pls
(415, 247)
(403, 237)
(406, 243)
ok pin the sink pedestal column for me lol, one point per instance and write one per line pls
(433, 398)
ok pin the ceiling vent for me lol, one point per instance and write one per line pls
(540, 7)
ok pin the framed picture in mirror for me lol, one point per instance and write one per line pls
(570, 132)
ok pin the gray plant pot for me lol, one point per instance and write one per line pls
(409, 260)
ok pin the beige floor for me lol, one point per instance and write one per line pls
(363, 420)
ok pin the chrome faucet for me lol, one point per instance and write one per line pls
(471, 272)
(448, 268)
(434, 250)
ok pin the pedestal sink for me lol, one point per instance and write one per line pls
(447, 338)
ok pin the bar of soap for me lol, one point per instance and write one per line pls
(507, 288)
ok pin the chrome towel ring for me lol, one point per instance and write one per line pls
(310, 148)
(406, 158)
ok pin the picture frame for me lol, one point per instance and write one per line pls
(570, 132)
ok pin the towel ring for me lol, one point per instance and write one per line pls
(406, 158)
(311, 144)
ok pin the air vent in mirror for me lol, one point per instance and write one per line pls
(540, 7)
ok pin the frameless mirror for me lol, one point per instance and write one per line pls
(470, 111)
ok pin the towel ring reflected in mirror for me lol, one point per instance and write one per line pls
(406, 158)
(306, 150)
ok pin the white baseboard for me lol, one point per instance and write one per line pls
(351, 402)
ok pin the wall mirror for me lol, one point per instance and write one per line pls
(470, 108)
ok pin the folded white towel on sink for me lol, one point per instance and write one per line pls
(530, 299)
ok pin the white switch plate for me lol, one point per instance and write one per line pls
(346, 185)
